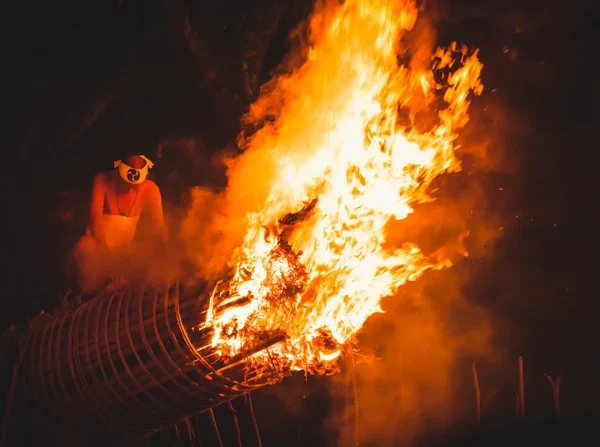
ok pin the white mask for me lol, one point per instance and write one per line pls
(133, 175)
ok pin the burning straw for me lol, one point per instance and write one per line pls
(325, 169)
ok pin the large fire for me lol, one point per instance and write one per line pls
(314, 263)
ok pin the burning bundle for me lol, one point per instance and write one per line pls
(269, 309)
(331, 130)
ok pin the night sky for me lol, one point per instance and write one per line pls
(87, 80)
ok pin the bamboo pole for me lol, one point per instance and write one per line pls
(253, 416)
(521, 394)
(236, 423)
(555, 384)
(216, 427)
(477, 395)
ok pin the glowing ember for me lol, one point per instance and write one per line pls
(345, 168)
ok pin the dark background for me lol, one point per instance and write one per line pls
(86, 80)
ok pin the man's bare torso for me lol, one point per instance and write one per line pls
(124, 199)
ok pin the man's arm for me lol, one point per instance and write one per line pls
(97, 208)
(155, 210)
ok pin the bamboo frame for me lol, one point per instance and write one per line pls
(127, 363)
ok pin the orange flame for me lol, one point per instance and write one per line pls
(339, 148)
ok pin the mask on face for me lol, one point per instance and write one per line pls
(133, 175)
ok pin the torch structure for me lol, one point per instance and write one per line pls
(130, 362)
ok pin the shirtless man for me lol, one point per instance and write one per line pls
(118, 199)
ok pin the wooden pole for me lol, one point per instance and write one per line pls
(521, 390)
(477, 394)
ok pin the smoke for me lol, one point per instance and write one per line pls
(146, 260)
(418, 380)
(417, 383)
(216, 222)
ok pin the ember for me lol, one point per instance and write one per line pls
(314, 263)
